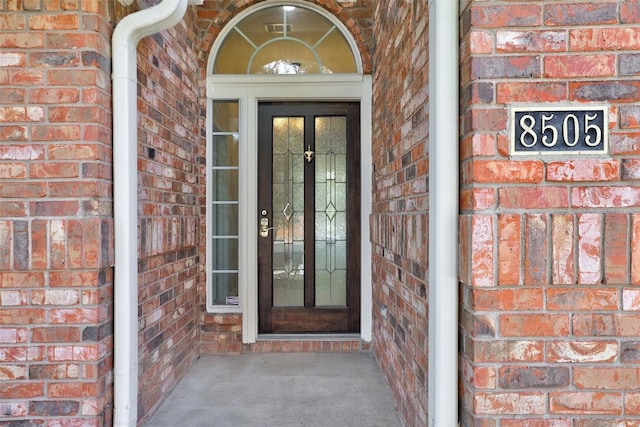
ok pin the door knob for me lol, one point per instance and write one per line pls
(264, 227)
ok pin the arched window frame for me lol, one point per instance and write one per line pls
(233, 23)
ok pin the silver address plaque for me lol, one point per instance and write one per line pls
(559, 130)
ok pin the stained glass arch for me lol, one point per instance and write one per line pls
(278, 37)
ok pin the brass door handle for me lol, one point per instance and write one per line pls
(264, 227)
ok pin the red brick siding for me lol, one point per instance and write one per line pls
(399, 223)
(171, 188)
(56, 228)
(548, 246)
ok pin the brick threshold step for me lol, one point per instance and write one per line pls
(308, 343)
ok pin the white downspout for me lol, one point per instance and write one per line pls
(125, 39)
(443, 213)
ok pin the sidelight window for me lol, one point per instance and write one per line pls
(223, 218)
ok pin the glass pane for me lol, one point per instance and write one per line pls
(225, 219)
(225, 116)
(285, 56)
(225, 150)
(288, 212)
(225, 254)
(234, 55)
(336, 54)
(330, 215)
(225, 285)
(264, 25)
(225, 184)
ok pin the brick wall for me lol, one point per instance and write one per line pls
(549, 247)
(399, 224)
(171, 190)
(56, 250)
(56, 227)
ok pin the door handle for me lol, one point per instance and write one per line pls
(264, 227)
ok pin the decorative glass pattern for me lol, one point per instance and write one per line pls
(288, 208)
(330, 211)
(224, 203)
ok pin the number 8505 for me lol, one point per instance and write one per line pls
(570, 130)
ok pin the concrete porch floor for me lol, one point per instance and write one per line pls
(280, 389)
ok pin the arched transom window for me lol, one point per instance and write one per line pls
(285, 39)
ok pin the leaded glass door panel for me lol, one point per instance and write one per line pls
(309, 217)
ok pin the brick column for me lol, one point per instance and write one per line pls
(55, 210)
(549, 246)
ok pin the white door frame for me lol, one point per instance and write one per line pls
(249, 90)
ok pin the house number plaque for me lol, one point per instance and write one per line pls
(559, 130)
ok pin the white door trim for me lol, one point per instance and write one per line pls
(250, 90)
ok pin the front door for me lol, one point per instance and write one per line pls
(309, 217)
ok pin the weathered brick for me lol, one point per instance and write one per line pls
(21, 390)
(604, 39)
(21, 40)
(517, 91)
(534, 422)
(629, 12)
(630, 65)
(589, 248)
(68, 390)
(582, 351)
(631, 299)
(630, 116)
(54, 95)
(620, 91)
(535, 247)
(534, 325)
(509, 403)
(546, 197)
(54, 408)
(632, 403)
(563, 253)
(518, 377)
(610, 378)
(482, 256)
(531, 41)
(12, 59)
(21, 77)
(497, 171)
(486, 119)
(53, 22)
(517, 15)
(496, 67)
(616, 245)
(11, 372)
(14, 409)
(21, 114)
(54, 371)
(582, 299)
(587, 13)
(480, 42)
(605, 197)
(477, 199)
(585, 403)
(572, 66)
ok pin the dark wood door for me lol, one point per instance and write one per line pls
(309, 217)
